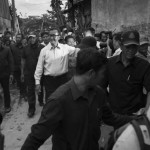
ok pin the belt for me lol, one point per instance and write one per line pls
(62, 75)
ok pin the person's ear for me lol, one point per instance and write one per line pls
(91, 73)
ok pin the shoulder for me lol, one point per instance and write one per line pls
(61, 93)
(113, 58)
(140, 60)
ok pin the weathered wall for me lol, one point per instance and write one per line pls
(4, 16)
(121, 14)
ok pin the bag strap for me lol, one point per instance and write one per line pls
(139, 133)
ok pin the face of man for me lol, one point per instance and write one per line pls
(97, 77)
(8, 35)
(104, 37)
(129, 51)
(71, 42)
(143, 49)
(18, 38)
(33, 40)
(46, 38)
(54, 37)
(115, 43)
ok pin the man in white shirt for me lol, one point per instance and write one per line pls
(53, 63)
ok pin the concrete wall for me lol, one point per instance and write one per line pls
(121, 14)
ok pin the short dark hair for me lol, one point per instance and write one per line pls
(55, 29)
(117, 36)
(44, 33)
(102, 32)
(68, 37)
(88, 59)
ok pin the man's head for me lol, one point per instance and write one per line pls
(32, 38)
(45, 37)
(54, 36)
(89, 32)
(129, 44)
(18, 38)
(70, 40)
(103, 36)
(90, 65)
(144, 42)
(117, 40)
(87, 42)
(7, 35)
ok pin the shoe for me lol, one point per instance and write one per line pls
(41, 104)
(31, 114)
(7, 110)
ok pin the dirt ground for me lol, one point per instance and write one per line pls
(16, 125)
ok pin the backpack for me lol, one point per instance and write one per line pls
(141, 126)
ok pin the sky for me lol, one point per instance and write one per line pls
(32, 7)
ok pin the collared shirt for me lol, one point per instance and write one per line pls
(126, 84)
(31, 54)
(73, 119)
(17, 54)
(54, 61)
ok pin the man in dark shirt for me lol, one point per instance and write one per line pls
(74, 111)
(6, 74)
(29, 61)
(17, 50)
(126, 75)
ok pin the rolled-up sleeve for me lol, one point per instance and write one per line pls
(51, 116)
(72, 50)
(39, 68)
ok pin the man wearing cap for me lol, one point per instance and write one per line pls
(126, 74)
(143, 49)
(29, 61)
(53, 63)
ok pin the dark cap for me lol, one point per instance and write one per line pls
(130, 38)
(87, 42)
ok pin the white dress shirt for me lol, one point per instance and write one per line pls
(129, 140)
(54, 61)
(117, 52)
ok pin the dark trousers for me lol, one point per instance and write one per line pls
(4, 81)
(22, 86)
(30, 81)
(52, 83)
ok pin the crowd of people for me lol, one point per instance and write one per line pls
(103, 77)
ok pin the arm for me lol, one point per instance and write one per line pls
(39, 68)
(50, 118)
(148, 101)
(146, 84)
(114, 119)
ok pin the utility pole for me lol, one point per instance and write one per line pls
(14, 14)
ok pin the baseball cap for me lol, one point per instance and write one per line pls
(130, 38)
(144, 40)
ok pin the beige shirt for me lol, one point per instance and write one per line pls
(54, 61)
